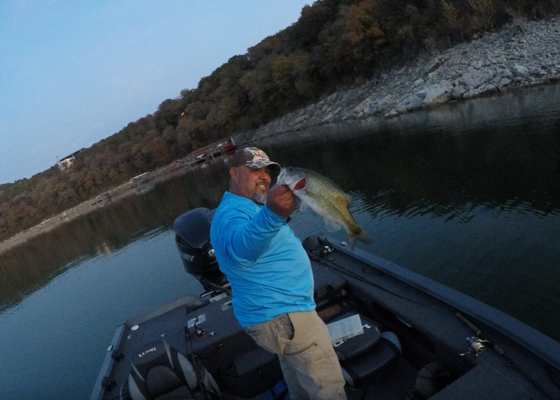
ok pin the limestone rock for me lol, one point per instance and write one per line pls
(438, 93)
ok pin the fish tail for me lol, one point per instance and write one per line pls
(359, 234)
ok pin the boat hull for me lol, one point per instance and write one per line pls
(441, 355)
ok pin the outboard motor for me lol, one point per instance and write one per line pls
(192, 236)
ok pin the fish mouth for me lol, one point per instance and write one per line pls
(300, 184)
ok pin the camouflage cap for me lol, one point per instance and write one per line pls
(253, 158)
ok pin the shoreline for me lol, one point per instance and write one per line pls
(524, 54)
(127, 189)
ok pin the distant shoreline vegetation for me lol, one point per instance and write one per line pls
(334, 43)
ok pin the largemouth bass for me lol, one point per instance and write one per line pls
(325, 198)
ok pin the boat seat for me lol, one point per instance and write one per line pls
(371, 365)
(251, 374)
(359, 344)
(159, 371)
(365, 356)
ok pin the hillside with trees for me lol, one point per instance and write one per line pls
(334, 43)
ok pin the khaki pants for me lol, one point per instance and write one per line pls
(303, 345)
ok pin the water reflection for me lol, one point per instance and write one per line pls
(429, 174)
(27, 268)
(442, 163)
(468, 197)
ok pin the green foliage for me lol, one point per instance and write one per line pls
(333, 42)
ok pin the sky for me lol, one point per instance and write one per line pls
(75, 72)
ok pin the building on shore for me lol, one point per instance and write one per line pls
(67, 161)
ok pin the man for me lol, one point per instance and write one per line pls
(271, 278)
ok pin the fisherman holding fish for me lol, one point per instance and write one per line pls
(271, 278)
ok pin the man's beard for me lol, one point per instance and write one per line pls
(260, 198)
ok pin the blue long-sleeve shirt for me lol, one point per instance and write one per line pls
(266, 265)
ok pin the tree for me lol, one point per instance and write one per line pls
(485, 13)
(333, 42)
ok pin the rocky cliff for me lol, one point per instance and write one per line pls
(526, 53)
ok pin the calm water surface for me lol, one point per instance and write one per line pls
(468, 195)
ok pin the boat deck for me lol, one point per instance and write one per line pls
(417, 310)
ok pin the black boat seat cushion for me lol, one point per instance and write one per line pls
(159, 370)
(371, 365)
(360, 344)
(251, 374)
(365, 357)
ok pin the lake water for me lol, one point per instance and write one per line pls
(468, 195)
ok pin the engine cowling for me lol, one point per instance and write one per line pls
(192, 237)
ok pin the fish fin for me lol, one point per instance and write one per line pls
(349, 199)
(303, 206)
(360, 235)
(332, 225)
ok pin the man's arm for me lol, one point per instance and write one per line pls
(249, 239)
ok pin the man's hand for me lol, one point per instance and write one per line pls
(281, 200)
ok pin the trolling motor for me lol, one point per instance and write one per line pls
(192, 237)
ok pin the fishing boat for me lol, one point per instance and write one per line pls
(398, 335)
